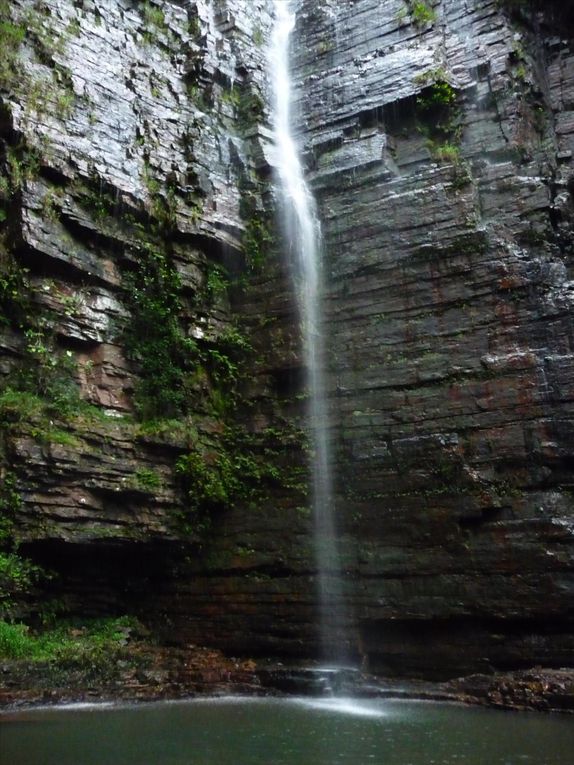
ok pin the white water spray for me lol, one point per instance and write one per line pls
(303, 243)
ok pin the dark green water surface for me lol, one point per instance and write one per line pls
(285, 732)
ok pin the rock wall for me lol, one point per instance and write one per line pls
(441, 153)
(150, 433)
(136, 189)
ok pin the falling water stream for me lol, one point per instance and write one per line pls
(290, 731)
(303, 244)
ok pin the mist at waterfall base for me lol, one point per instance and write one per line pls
(283, 732)
(301, 236)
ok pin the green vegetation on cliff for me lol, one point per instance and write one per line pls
(11, 37)
(154, 338)
(81, 642)
(128, 288)
(421, 13)
(240, 467)
(18, 575)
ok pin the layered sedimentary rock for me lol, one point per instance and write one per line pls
(150, 362)
(441, 153)
(135, 151)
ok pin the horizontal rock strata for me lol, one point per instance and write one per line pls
(136, 184)
(441, 156)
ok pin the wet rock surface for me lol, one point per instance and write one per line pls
(441, 157)
(155, 674)
(440, 153)
(134, 144)
(150, 674)
(537, 689)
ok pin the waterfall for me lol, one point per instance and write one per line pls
(303, 245)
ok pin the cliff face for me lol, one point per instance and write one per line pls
(152, 385)
(148, 401)
(441, 153)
